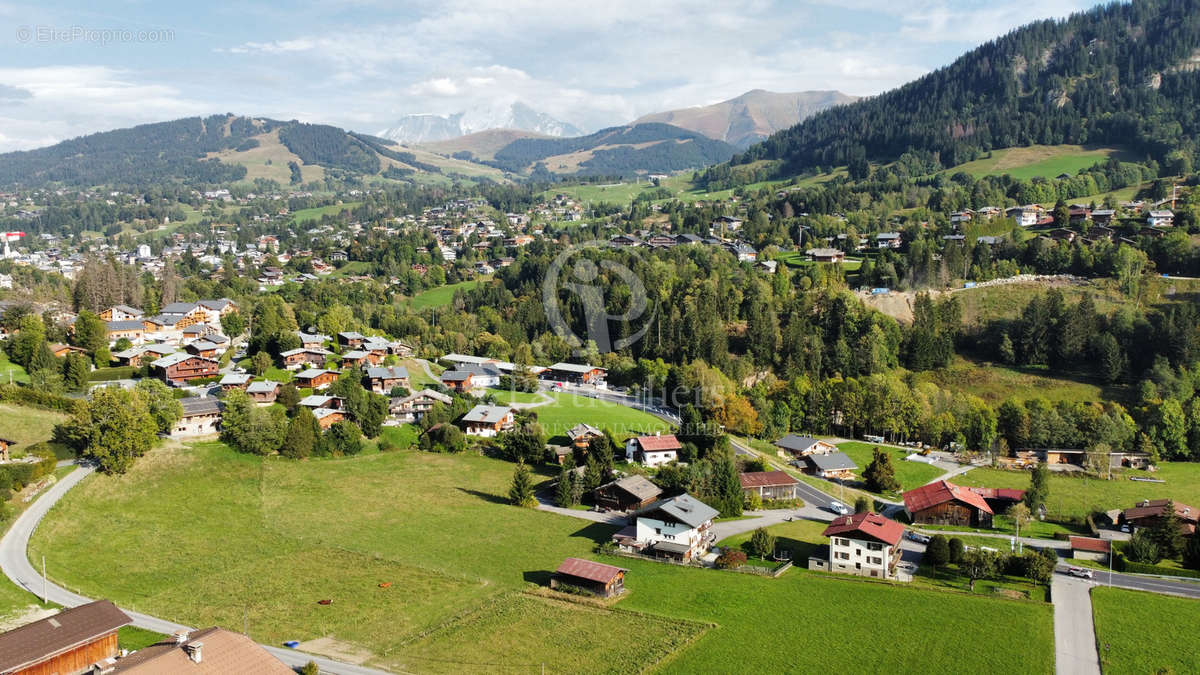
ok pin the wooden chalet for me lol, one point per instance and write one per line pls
(382, 380)
(305, 356)
(121, 313)
(327, 417)
(207, 651)
(264, 392)
(581, 435)
(61, 350)
(1150, 512)
(71, 641)
(627, 494)
(315, 378)
(179, 368)
(596, 578)
(769, 484)
(944, 503)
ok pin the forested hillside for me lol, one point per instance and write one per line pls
(1120, 74)
(620, 150)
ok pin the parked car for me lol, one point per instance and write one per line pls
(840, 509)
(1081, 572)
(1125, 527)
(917, 537)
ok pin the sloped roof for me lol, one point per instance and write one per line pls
(487, 414)
(204, 405)
(264, 387)
(658, 443)
(178, 357)
(684, 508)
(1090, 544)
(868, 526)
(637, 486)
(586, 569)
(70, 628)
(574, 367)
(221, 651)
(234, 378)
(757, 479)
(833, 461)
(940, 492)
(580, 430)
(388, 373)
(797, 443)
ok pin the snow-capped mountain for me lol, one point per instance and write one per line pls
(425, 128)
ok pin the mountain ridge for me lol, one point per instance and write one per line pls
(430, 128)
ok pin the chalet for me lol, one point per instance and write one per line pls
(743, 252)
(627, 494)
(1149, 513)
(1090, 548)
(576, 373)
(804, 445)
(231, 381)
(999, 499)
(413, 407)
(136, 356)
(689, 238)
(314, 401)
(989, 212)
(678, 528)
(350, 339)
(1151, 232)
(1099, 232)
(327, 417)
(265, 392)
(1062, 234)
(305, 356)
(315, 378)
(472, 376)
(121, 313)
(723, 224)
(769, 485)
(312, 340)
(836, 464)
(662, 241)
(864, 544)
(625, 240)
(164, 327)
(178, 368)
(888, 240)
(203, 348)
(131, 330)
(959, 217)
(1077, 214)
(487, 420)
(581, 435)
(1160, 218)
(68, 642)
(215, 309)
(768, 266)
(943, 503)
(1025, 216)
(384, 380)
(207, 651)
(595, 578)
(61, 350)
(200, 416)
(1103, 216)
(184, 313)
(826, 255)
(358, 358)
(652, 450)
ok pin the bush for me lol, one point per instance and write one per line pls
(956, 549)
(110, 374)
(937, 551)
(12, 393)
(762, 543)
(731, 559)
(1143, 549)
(753, 502)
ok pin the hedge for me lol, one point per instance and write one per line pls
(21, 474)
(109, 374)
(12, 393)
(1123, 564)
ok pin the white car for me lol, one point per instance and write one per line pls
(918, 537)
(839, 508)
(1081, 572)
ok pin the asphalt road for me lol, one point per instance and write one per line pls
(1074, 635)
(14, 562)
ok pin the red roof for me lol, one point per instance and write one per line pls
(757, 479)
(586, 569)
(652, 443)
(940, 492)
(872, 525)
(1090, 544)
(1011, 494)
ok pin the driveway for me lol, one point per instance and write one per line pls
(1074, 634)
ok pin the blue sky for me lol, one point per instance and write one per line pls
(361, 64)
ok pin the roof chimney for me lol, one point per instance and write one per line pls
(180, 636)
(193, 651)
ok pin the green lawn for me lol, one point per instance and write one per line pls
(910, 474)
(506, 396)
(440, 296)
(27, 425)
(1077, 496)
(801, 537)
(266, 538)
(278, 375)
(1122, 618)
(995, 382)
(1046, 161)
(571, 409)
(11, 372)
(416, 374)
(315, 213)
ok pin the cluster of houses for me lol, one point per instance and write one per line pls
(468, 373)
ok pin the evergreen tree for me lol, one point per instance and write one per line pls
(593, 475)
(762, 543)
(728, 486)
(521, 492)
(1191, 552)
(937, 551)
(75, 372)
(300, 441)
(1168, 533)
(1039, 488)
(880, 475)
(564, 493)
(1143, 548)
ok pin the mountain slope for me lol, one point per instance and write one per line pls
(643, 148)
(751, 117)
(1120, 74)
(427, 128)
(481, 145)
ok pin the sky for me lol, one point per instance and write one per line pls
(71, 68)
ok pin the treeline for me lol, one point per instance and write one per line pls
(329, 146)
(666, 155)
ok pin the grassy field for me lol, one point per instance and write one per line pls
(416, 374)
(1122, 618)
(570, 410)
(11, 372)
(910, 474)
(440, 296)
(801, 537)
(504, 396)
(270, 160)
(1047, 161)
(267, 538)
(316, 212)
(1078, 496)
(26, 425)
(1009, 300)
(995, 382)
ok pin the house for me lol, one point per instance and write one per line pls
(836, 464)
(131, 330)
(68, 642)
(652, 450)
(625, 240)
(203, 348)
(487, 420)
(201, 330)
(1160, 218)
(231, 381)
(1149, 512)
(61, 350)
(1078, 213)
(723, 224)
(743, 252)
(627, 494)
(383, 380)
(136, 356)
(769, 484)
(596, 578)
(1025, 216)
(457, 380)
(581, 435)
(208, 651)
(350, 339)
(944, 503)
(1062, 234)
(804, 445)
(1098, 232)
(678, 528)
(310, 356)
(181, 367)
(265, 392)
(1103, 216)
(864, 544)
(888, 240)
(413, 407)
(314, 401)
(359, 358)
(576, 373)
(315, 378)
(826, 255)
(1090, 548)
(327, 417)
(201, 415)
(472, 376)
(312, 340)
(121, 313)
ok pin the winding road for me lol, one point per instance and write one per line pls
(14, 562)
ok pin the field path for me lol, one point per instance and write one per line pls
(14, 562)
(1074, 634)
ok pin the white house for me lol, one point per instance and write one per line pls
(864, 544)
(487, 420)
(679, 528)
(1026, 216)
(413, 407)
(200, 416)
(1162, 218)
(652, 450)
